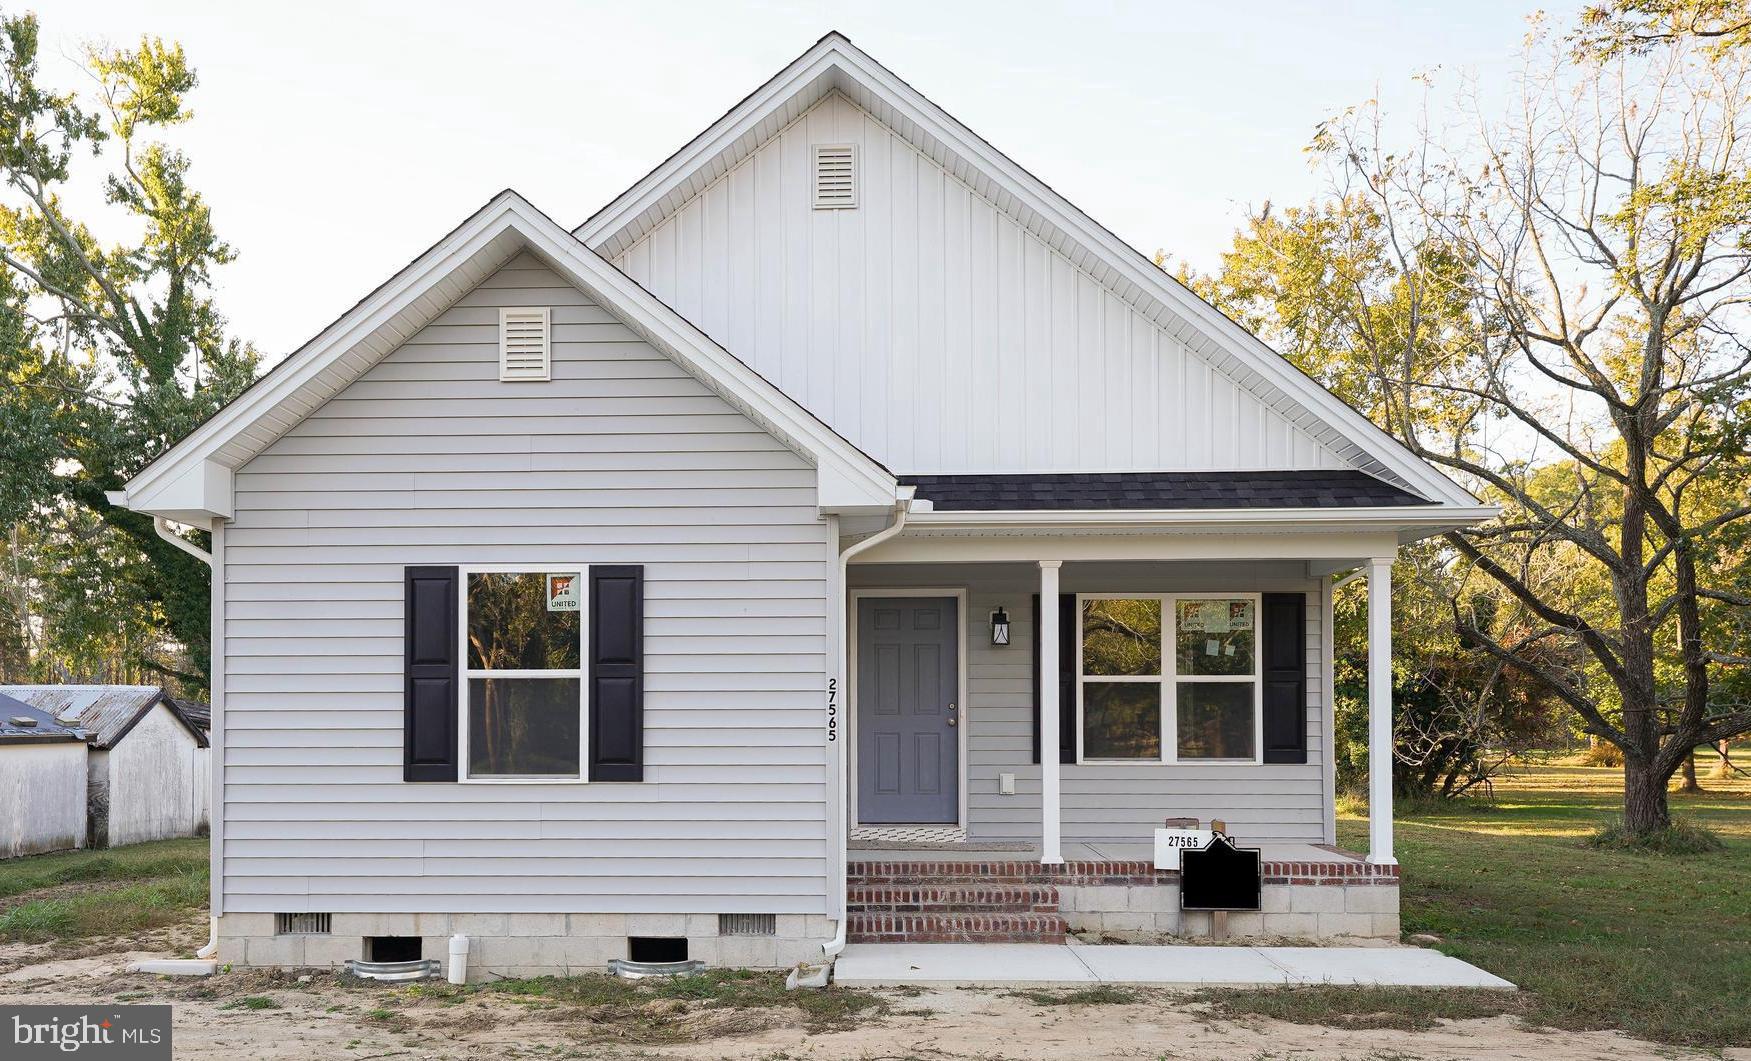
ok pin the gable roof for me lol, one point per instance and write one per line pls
(107, 713)
(834, 64)
(191, 482)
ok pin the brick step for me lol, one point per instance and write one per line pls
(939, 897)
(1005, 873)
(954, 928)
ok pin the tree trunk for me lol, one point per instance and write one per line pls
(1644, 798)
(1688, 774)
(1723, 765)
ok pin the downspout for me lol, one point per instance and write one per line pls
(837, 614)
(162, 526)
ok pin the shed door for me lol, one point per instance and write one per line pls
(908, 736)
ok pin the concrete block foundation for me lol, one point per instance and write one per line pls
(518, 945)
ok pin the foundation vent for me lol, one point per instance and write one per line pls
(303, 924)
(747, 924)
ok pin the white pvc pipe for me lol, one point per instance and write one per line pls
(458, 959)
(836, 614)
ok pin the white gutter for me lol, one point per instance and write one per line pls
(836, 616)
(162, 526)
(1213, 518)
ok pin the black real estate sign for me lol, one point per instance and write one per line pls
(1220, 877)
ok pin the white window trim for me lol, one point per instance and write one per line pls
(1169, 679)
(466, 673)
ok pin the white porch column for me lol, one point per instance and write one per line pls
(1050, 817)
(1380, 711)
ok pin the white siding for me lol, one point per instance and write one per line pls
(429, 459)
(157, 784)
(936, 332)
(42, 797)
(1272, 802)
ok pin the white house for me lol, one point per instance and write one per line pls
(149, 771)
(640, 588)
(42, 781)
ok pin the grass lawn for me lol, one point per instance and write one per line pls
(1657, 947)
(72, 895)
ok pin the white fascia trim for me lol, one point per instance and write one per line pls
(835, 53)
(351, 328)
(1432, 518)
(848, 479)
(747, 114)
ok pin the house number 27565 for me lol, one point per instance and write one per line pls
(832, 709)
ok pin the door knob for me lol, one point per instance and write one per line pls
(954, 719)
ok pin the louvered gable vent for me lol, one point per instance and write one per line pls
(835, 176)
(525, 347)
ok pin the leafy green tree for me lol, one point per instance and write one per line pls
(1549, 304)
(1607, 31)
(110, 348)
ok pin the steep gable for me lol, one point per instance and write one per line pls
(963, 317)
(193, 481)
(934, 330)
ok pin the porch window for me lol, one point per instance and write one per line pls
(523, 716)
(1168, 678)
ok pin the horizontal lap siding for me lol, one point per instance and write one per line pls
(1116, 803)
(428, 459)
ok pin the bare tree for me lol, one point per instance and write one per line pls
(1599, 234)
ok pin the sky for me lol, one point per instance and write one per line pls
(336, 141)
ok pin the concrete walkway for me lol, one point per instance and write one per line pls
(1046, 965)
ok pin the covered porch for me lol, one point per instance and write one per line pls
(1008, 761)
(1252, 746)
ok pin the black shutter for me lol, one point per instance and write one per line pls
(617, 673)
(431, 641)
(1283, 649)
(1066, 677)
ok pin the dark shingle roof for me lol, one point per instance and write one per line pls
(1165, 490)
(195, 713)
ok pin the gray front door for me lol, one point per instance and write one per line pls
(908, 736)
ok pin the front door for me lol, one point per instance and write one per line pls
(908, 736)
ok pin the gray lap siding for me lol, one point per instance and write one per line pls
(1122, 803)
(429, 459)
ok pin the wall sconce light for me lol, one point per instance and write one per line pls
(1000, 627)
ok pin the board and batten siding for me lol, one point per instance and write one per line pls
(933, 330)
(1119, 803)
(429, 459)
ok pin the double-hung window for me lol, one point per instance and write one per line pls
(1168, 678)
(523, 712)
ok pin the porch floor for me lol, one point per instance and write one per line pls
(1115, 851)
(1047, 965)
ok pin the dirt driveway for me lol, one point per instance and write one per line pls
(322, 1016)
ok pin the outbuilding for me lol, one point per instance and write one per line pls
(42, 781)
(148, 768)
